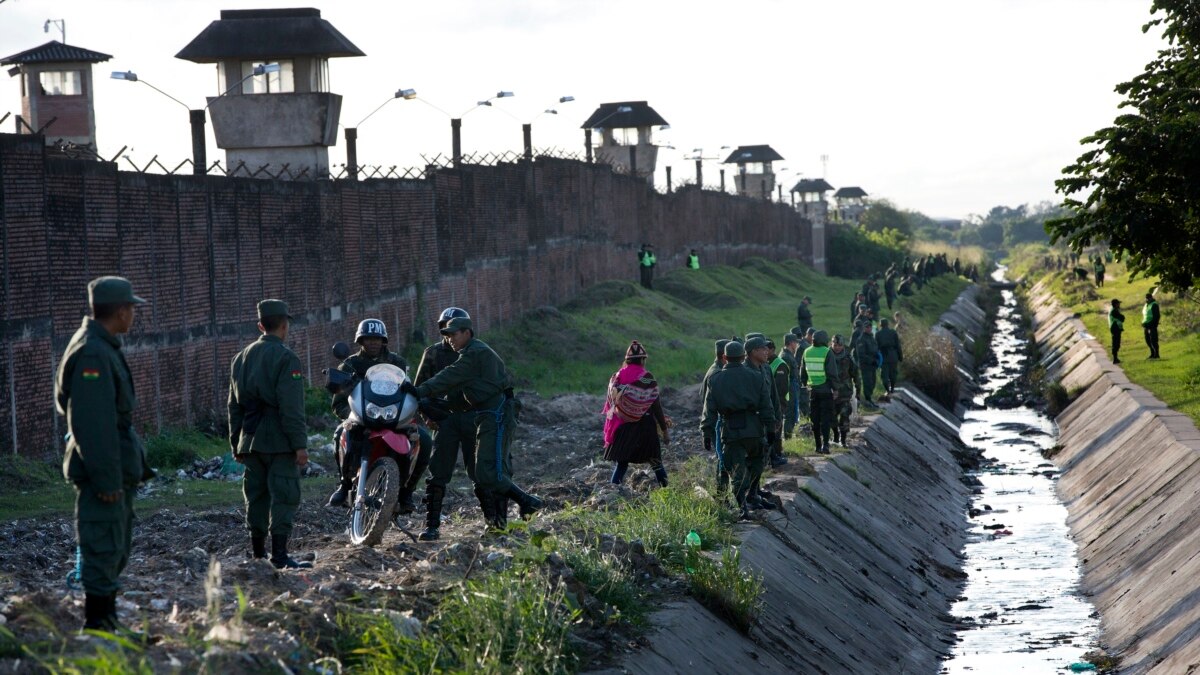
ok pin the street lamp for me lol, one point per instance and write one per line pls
(352, 132)
(527, 128)
(60, 24)
(195, 119)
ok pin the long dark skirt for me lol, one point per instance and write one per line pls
(636, 442)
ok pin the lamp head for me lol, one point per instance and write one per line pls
(406, 94)
(487, 103)
(504, 94)
(128, 76)
(566, 99)
(625, 109)
(46, 26)
(550, 111)
(664, 127)
(266, 68)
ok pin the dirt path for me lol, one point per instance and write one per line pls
(555, 452)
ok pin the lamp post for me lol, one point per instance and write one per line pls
(196, 117)
(352, 132)
(60, 24)
(456, 124)
(527, 128)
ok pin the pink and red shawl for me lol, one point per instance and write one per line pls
(631, 392)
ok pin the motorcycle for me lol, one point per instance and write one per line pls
(388, 416)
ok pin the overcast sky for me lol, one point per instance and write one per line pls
(949, 107)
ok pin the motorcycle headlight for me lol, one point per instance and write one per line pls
(389, 413)
(373, 411)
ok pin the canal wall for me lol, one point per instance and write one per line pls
(1131, 481)
(859, 567)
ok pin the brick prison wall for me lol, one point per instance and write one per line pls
(203, 250)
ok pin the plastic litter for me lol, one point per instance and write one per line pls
(1082, 667)
(693, 551)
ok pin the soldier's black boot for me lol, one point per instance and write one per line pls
(434, 494)
(114, 625)
(95, 612)
(487, 504)
(338, 498)
(258, 546)
(404, 502)
(529, 504)
(499, 520)
(279, 554)
(661, 474)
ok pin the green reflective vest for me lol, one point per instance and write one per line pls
(648, 259)
(694, 262)
(1114, 321)
(1148, 311)
(814, 363)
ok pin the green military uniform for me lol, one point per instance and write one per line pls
(804, 317)
(844, 382)
(480, 378)
(1116, 325)
(266, 428)
(741, 396)
(792, 412)
(718, 364)
(866, 353)
(104, 456)
(887, 340)
(781, 383)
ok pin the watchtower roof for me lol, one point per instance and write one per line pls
(639, 115)
(747, 154)
(850, 193)
(258, 34)
(55, 52)
(807, 185)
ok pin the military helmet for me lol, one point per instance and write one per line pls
(821, 339)
(371, 328)
(451, 313)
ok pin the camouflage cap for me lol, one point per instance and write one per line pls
(734, 350)
(456, 324)
(269, 308)
(112, 291)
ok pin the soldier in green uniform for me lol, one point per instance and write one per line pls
(845, 382)
(479, 376)
(267, 432)
(758, 355)
(781, 381)
(866, 353)
(453, 434)
(717, 365)
(804, 317)
(1150, 318)
(1116, 325)
(742, 398)
(887, 340)
(791, 344)
(104, 457)
(372, 339)
(817, 370)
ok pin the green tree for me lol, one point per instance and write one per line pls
(883, 215)
(1138, 183)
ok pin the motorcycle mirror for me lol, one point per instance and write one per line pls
(341, 350)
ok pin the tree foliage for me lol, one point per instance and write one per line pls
(856, 252)
(1138, 183)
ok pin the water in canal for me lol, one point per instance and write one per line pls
(1021, 600)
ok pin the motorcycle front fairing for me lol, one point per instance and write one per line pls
(377, 402)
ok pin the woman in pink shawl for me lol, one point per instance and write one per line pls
(633, 418)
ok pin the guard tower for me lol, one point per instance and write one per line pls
(755, 177)
(273, 104)
(851, 204)
(626, 136)
(811, 192)
(56, 84)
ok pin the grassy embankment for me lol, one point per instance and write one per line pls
(1175, 378)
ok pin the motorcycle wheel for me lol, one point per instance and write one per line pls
(371, 515)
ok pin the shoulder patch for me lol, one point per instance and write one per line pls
(297, 375)
(91, 373)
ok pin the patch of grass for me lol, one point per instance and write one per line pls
(504, 623)
(29, 487)
(117, 656)
(1056, 397)
(800, 445)
(178, 448)
(608, 579)
(929, 303)
(965, 254)
(317, 400)
(1172, 378)
(930, 365)
(727, 590)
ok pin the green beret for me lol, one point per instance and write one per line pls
(456, 324)
(734, 350)
(270, 308)
(112, 291)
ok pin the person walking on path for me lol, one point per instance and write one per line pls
(791, 344)
(866, 353)
(452, 435)
(742, 399)
(105, 459)
(634, 418)
(889, 285)
(646, 262)
(1150, 318)
(717, 365)
(1116, 325)
(1098, 269)
(480, 377)
(887, 340)
(267, 432)
(845, 383)
(781, 380)
(804, 317)
(818, 368)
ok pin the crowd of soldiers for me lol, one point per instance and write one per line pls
(754, 394)
(105, 460)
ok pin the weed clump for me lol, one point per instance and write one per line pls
(1057, 398)
(728, 591)
(178, 448)
(929, 363)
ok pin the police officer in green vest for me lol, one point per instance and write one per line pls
(693, 260)
(372, 339)
(742, 399)
(1098, 269)
(1116, 325)
(267, 432)
(816, 368)
(104, 457)
(479, 376)
(453, 434)
(646, 262)
(1150, 319)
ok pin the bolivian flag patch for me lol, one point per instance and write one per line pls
(297, 375)
(91, 374)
